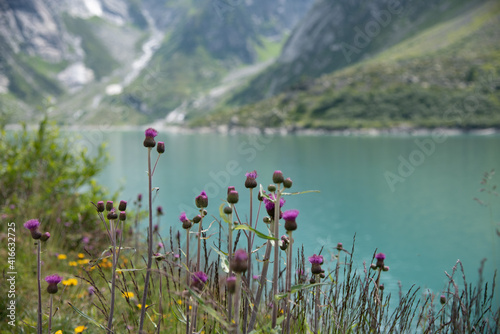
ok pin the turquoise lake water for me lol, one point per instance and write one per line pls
(410, 197)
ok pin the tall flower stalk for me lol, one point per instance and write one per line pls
(52, 280)
(290, 226)
(33, 226)
(278, 180)
(149, 142)
(316, 262)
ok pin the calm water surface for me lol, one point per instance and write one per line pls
(409, 197)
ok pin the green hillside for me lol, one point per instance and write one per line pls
(447, 75)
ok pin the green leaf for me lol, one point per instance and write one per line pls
(92, 321)
(259, 234)
(224, 262)
(300, 192)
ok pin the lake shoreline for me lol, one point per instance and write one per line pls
(281, 131)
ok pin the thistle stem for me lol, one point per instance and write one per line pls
(237, 296)
(50, 314)
(113, 275)
(288, 286)
(276, 255)
(39, 275)
(150, 244)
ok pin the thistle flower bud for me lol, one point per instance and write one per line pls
(112, 215)
(267, 220)
(285, 241)
(381, 287)
(322, 274)
(230, 188)
(139, 197)
(159, 210)
(231, 284)
(442, 299)
(122, 206)
(250, 182)
(316, 262)
(227, 210)
(160, 148)
(340, 246)
(100, 206)
(233, 197)
(380, 260)
(109, 205)
(287, 183)
(197, 219)
(312, 280)
(149, 141)
(186, 223)
(278, 177)
(201, 200)
(122, 216)
(239, 262)
(45, 236)
(271, 188)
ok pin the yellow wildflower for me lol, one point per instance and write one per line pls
(59, 332)
(139, 306)
(72, 263)
(80, 329)
(128, 294)
(81, 255)
(70, 282)
(84, 261)
(62, 257)
(179, 302)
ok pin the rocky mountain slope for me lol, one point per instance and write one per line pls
(91, 57)
(445, 75)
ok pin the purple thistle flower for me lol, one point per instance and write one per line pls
(270, 204)
(150, 132)
(53, 279)
(198, 280)
(316, 259)
(32, 224)
(231, 279)
(149, 141)
(256, 277)
(253, 174)
(160, 244)
(380, 256)
(91, 290)
(183, 217)
(159, 210)
(290, 215)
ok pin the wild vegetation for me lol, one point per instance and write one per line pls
(84, 264)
